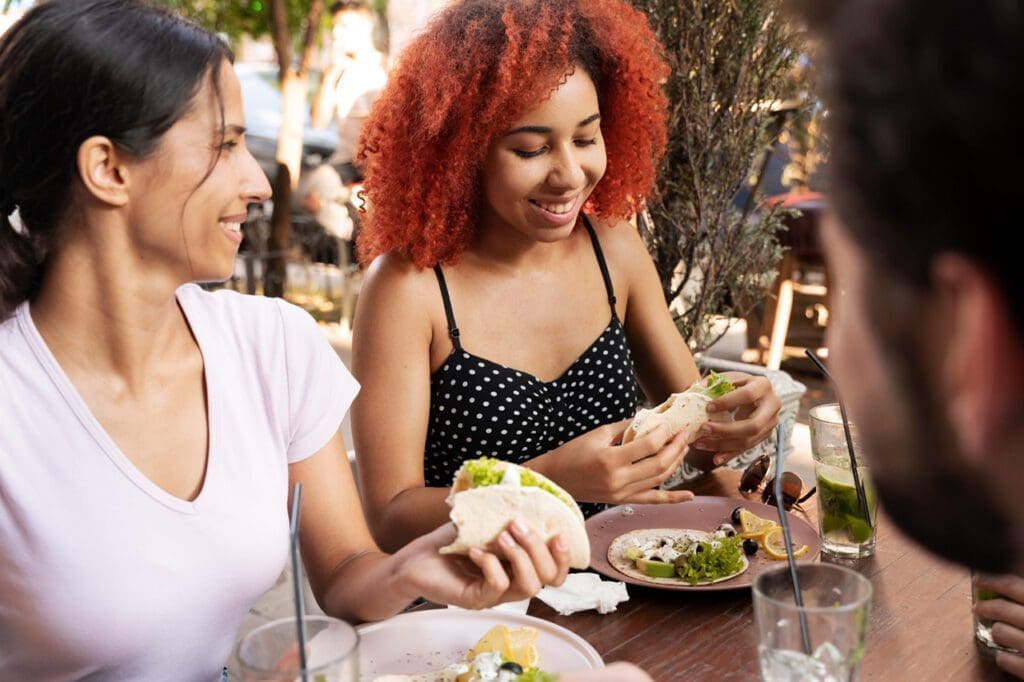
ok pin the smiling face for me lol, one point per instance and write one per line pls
(539, 173)
(190, 197)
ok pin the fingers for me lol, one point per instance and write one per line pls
(1003, 611)
(1011, 663)
(1008, 636)
(1010, 586)
(740, 435)
(495, 580)
(530, 560)
(642, 447)
(659, 497)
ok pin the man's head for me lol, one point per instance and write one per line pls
(928, 335)
(352, 26)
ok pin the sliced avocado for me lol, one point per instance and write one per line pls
(656, 569)
(634, 553)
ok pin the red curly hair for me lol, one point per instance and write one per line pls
(479, 66)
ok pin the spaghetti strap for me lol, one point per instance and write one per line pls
(601, 262)
(453, 330)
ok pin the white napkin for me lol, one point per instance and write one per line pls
(582, 591)
(512, 606)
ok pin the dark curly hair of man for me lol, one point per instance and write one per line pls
(478, 66)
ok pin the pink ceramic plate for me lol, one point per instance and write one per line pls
(429, 640)
(701, 513)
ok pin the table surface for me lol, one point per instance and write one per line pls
(920, 624)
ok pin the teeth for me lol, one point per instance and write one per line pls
(557, 209)
(233, 227)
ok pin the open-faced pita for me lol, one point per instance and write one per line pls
(617, 554)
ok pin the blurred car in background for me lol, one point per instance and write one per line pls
(262, 98)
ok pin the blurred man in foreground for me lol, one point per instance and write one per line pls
(928, 336)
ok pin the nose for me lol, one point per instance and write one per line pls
(255, 186)
(566, 169)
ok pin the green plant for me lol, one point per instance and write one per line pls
(729, 90)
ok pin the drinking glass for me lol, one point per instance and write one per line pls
(845, 529)
(834, 615)
(270, 653)
(983, 626)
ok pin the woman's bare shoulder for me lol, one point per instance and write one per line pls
(621, 243)
(394, 285)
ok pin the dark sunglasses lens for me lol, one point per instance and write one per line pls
(754, 474)
(792, 486)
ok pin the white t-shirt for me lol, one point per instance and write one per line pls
(105, 575)
(358, 88)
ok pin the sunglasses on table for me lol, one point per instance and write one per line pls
(792, 485)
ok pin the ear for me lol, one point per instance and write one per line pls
(102, 168)
(983, 368)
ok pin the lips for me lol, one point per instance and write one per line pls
(558, 208)
(232, 227)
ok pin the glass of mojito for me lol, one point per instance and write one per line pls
(847, 524)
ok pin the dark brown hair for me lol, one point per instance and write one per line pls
(71, 69)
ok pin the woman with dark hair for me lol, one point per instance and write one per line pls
(151, 430)
(509, 303)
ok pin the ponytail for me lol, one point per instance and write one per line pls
(20, 271)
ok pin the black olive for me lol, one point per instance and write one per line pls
(512, 667)
(655, 557)
(736, 515)
(749, 546)
(730, 533)
(699, 549)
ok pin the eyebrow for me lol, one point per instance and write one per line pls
(235, 129)
(543, 130)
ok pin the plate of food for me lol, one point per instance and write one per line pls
(708, 543)
(453, 645)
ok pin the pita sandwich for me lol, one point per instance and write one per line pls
(488, 494)
(686, 411)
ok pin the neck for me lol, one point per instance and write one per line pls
(502, 245)
(100, 311)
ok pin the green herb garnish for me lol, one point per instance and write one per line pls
(713, 563)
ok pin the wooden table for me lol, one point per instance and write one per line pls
(920, 626)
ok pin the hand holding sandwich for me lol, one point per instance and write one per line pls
(756, 414)
(595, 468)
(480, 579)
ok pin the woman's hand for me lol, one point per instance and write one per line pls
(595, 468)
(1008, 616)
(481, 579)
(757, 413)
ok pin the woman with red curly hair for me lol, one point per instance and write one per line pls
(511, 143)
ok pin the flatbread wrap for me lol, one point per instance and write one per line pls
(678, 556)
(686, 411)
(487, 494)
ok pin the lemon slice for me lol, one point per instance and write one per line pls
(522, 649)
(775, 546)
(514, 645)
(753, 526)
(497, 639)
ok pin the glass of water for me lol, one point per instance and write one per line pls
(270, 653)
(822, 641)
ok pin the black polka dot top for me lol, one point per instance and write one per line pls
(479, 407)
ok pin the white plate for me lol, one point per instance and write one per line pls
(426, 641)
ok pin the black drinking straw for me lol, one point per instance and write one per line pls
(300, 620)
(862, 498)
(788, 540)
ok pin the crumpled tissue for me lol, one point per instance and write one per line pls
(583, 591)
